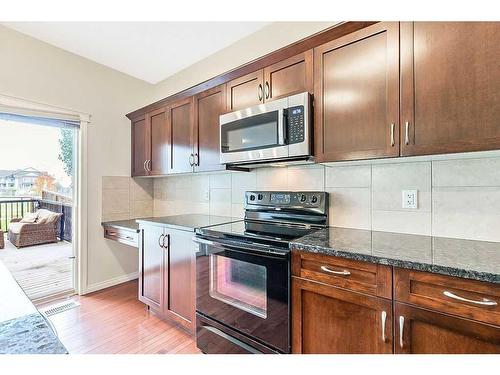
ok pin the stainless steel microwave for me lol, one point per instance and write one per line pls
(276, 131)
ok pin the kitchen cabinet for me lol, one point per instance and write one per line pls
(420, 331)
(167, 273)
(141, 146)
(330, 320)
(160, 142)
(208, 106)
(356, 87)
(180, 119)
(450, 80)
(287, 77)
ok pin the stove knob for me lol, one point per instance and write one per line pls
(314, 199)
(260, 197)
(303, 198)
(252, 197)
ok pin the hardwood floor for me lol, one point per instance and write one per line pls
(114, 321)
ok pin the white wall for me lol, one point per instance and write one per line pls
(458, 196)
(33, 70)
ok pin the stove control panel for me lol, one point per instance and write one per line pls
(278, 199)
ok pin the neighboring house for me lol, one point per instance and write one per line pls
(18, 182)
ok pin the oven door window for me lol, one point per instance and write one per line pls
(239, 284)
(251, 133)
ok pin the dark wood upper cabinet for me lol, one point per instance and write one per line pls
(208, 106)
(330, 320)
(160, 142)
(245, 91)
(419, 331)
(450, 80)
(140, 146)
(290, 76)
(180, 119)
(356, 88)
(151, 258)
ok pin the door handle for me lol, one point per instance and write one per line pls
(260, 94)
(407, 133)
(148, 165)
(144, 165)
(342, 273)
(483, 302)
(267, 90)
(160, 240)
(392, 135)
(401, 328)
(191, 160)
(384, 318)
(167, 246)
(197, 159)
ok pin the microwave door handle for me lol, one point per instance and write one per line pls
(281, 127)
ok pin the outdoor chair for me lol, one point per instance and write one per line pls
(34, 228)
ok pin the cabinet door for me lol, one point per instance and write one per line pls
(331, 320)
(151, 257)
(356, 91)
(179, 278)
(141, 143)
(449, 84)
(181, 124)
(290, 76)
(245, 91)
(419, 331)
(208, 106)
(160, 142)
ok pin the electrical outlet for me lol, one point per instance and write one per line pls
(410, 198)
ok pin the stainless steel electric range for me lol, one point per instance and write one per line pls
(243, 272)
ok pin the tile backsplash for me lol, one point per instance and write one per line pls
(457, 197)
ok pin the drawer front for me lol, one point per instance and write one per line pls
(461, 297)
(349, 274)
(126, 237)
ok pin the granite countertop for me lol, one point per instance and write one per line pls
(123, 224)
(188, 222)
(23, 330)
(478, 260)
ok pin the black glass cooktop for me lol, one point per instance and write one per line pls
(259, 231)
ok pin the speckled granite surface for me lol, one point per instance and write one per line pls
(29, 334)
(478, 260)
(188, 222)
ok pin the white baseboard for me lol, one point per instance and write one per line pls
(111, 282)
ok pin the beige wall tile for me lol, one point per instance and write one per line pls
(237, 210)
(200, 187)
(113, 217)
(115, 182)
(141, 189)
(272, 179)
(115, 201)
(466, 172)
(411, 222)
(389, 180)
(141, 209)
(350, 207)
(306, 178)
(220, 180)
(163, 207)
(467, 212)
(220, 202)
(348, 176)
(240, 183)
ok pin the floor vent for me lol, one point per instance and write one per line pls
(59, 307)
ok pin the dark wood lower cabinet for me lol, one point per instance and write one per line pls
(330, 320)
(167, 274)
(420, 331)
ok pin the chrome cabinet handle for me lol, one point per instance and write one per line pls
(160, 240)
(483, 302)
(148, 165)
(144, 165)
(392, 135)
(384, 318)
(166, 247)
(196, 159)
(343, 272)
(260, 92)
(267, 90)
(191, 160)
(401, 328)
(407, 135)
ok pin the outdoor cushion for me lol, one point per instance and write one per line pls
(16, 227)
(29, 217)
(46, 216)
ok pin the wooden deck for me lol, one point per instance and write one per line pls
(42, 270)
(114, 321)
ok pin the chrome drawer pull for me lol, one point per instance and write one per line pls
(392, 135)
(483, 302)
(384, 318)
(401, 328)
(407, 135)
(343, 272)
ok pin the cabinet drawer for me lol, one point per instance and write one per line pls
(350, 274)
(123, 236)
(461, 297)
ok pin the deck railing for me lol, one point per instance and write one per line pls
(16, 207)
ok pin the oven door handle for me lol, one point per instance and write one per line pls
(225, 246)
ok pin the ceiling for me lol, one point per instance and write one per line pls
(150, 51)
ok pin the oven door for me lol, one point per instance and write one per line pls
(245, 290)
(255, 133)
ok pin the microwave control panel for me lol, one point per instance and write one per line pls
(295, 124)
